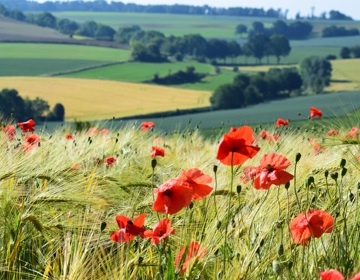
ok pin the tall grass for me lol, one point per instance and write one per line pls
(56, 198)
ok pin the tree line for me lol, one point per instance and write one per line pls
(12, 105)
(104, 6)
(339, 31)
(350, 52)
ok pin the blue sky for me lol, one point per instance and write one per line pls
(348, 7)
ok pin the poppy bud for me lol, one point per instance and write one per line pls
(102, 226)
(280, 250)
(238, 189)
(343, 171)
(287, 185)
(297, 157)
(218, 225)
(358, 185)
(153, 163)
(276, 267)
(342, 163)
(215, 167)
(216, 252)
(140, 260)
(289, 264)
(351, 197)
(326, 173)
(116, 140)
(191, 205)
(310, 180)
(334, 176)
(233, 223)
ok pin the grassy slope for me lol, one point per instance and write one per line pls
(96, 99)
(36, 59)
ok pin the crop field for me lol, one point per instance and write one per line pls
(139, 71)
(86, 99)
(27, 59)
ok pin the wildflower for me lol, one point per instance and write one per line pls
(9, 132)
(352, 133)
(75, 166)
(197, 181)
(331, 274)
(161, 230)
(156, 151)
(27, 126)
(281, 122)
(69, 136)
(109, 161)
(235, 147)
(128, 228)
(311, 224)
(30, 142)
(193, 254)
(315, 113)
(92, 131)
(250, 173)
(172, 196)
(333, 132)
(272, 171)
(146, 125)
(356, 277)
(104, 131)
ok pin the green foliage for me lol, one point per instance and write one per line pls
(180, 77)
(315, 73)
(57, 114)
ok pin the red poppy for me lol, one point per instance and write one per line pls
(27, 126)
(69, 136)
(331, 274)
(250, 173)
(172, 196)
(128, 228)
(161, 230)
(156, 151)
(267, 136)
(92, 131)
(75, 166)
(193, 253)
(237, 145)
(110, 161)
(104, 131)
(352, 133)
(31, 141)
(146, 125)
(9, 132)
(272, 171)
(315, 113)
(197, 181)
(281, 122)
(312, 224)
(333, 132)
(356, 277)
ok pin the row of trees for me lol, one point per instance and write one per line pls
(155, 47)
(12, 105)
(335, 31)
(247, 90)
(115, 6)
(347, 52)
(294, 30)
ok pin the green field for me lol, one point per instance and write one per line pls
(19, 59)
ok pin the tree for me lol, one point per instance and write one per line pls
(280, 46)
(105, 33)
(280, 27)
(46, 20)
(227, 96)
(355, 51)
(234, 49)
(38, 108)
(124, 34)
(57, 114)
(315, 73)
(252, 95)
(336, 15)
(258, 27)
(345, 52)
(241, 29)
(258, 45)
(67, 26)
(88, 29)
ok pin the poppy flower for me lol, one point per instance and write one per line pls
(30, 142)
(250, 172)
(193, 253)
(9, 132)
(161, 230)
(281, 122)
(312, 224)
(356, 277)
(156, 151)
(69, 136)
(128, 228)
(352, 133)
(172, 196)
(92, 131)
(197, 181)
(109, 161)
(236, 145)
(272, 171)
(333, 132)
(315, 113)
(146, 125)
(104, 131)
(27, 126)
(331, 274)
(265, 135)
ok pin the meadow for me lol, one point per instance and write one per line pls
(87, 204)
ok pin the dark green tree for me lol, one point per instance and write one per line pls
(105, 33)
(280, 46)
(258, 45)
(345, 52)
(241, 29)
(227, 96)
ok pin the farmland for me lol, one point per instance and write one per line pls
(86, 99)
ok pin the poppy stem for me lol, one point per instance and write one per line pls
(228, 213)
(153, 184)
(295, 191)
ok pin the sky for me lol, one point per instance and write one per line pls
(348, 7)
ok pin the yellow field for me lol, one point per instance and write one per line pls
(97, 99)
